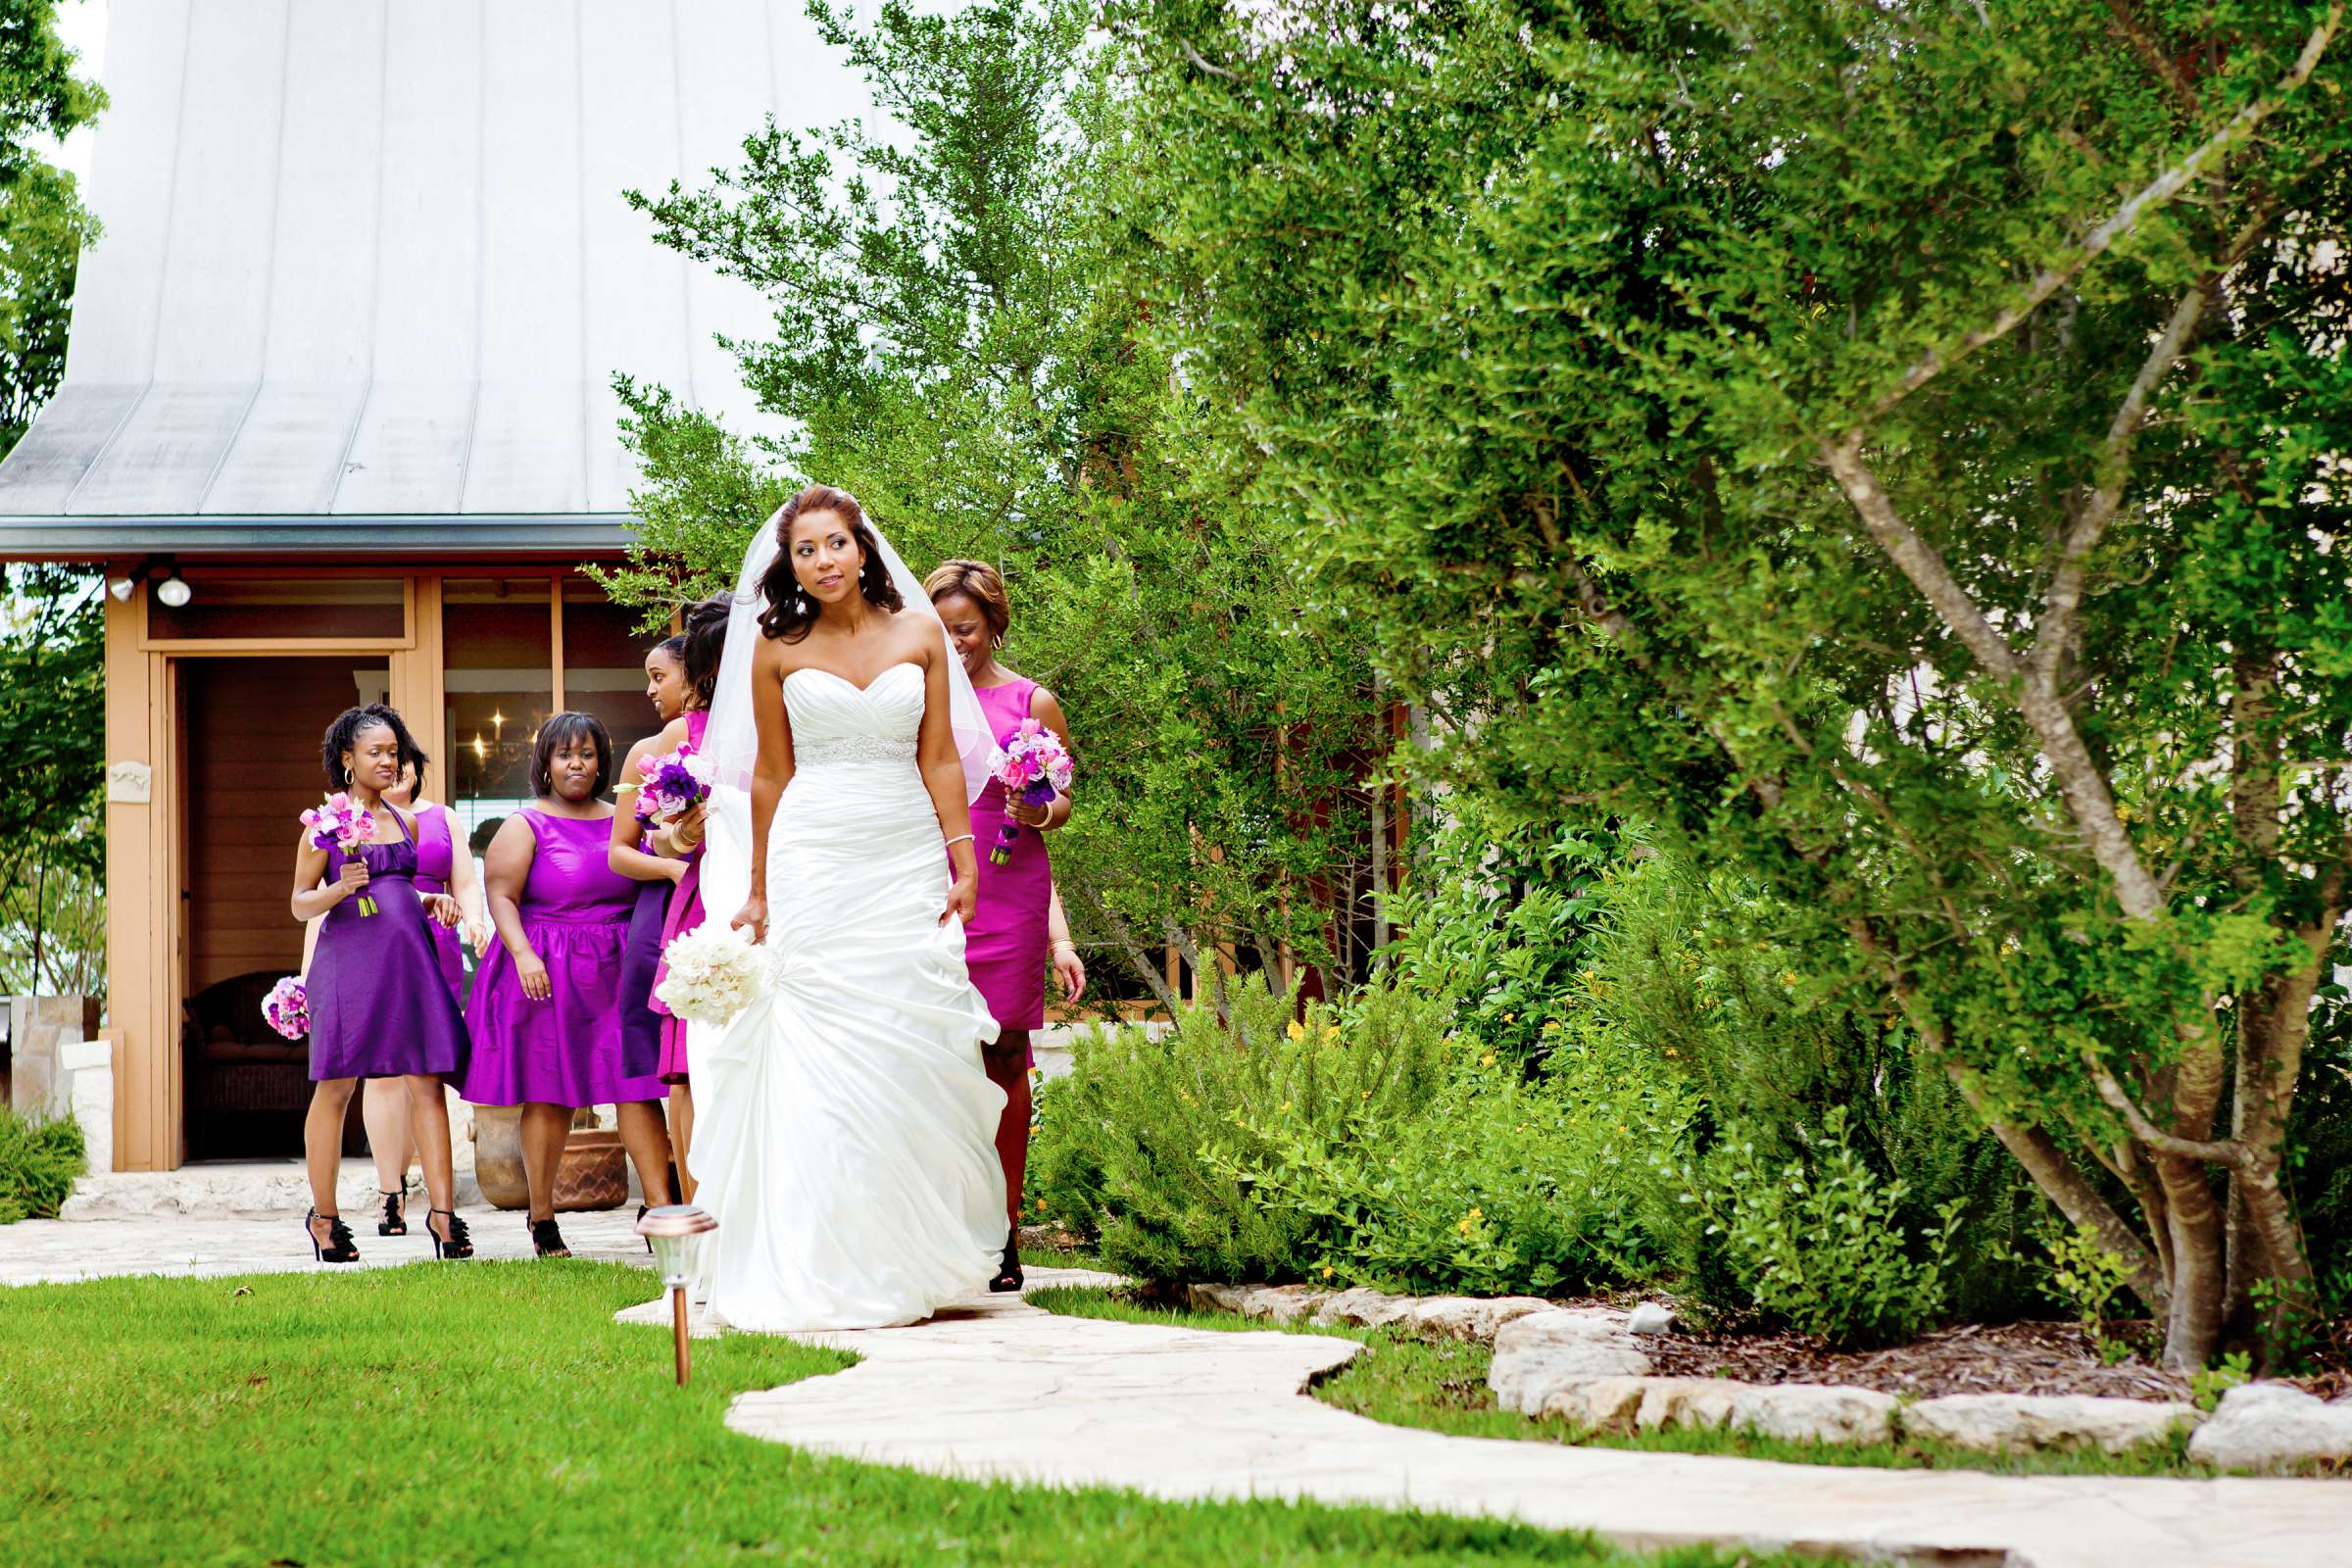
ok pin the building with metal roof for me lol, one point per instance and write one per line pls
(341, 382)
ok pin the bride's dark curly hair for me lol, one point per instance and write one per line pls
(791, 611)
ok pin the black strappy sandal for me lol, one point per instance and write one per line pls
(396, 1219)
(338, 1247)
(457, 1245)
(546, 1240)
(1008, 1277)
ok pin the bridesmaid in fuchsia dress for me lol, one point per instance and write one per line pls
(1011, 939)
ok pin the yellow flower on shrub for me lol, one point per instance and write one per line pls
(1487, 1061)
(1551, 1026)
(1328, 1271)
(1285, 1104)
(1297, 1030)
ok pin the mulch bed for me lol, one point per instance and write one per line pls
(1972, 1359)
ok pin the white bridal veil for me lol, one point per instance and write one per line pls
(731, 738)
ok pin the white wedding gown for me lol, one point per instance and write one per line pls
(844, 1133)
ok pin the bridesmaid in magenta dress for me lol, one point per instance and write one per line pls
(546, 1011)
(378, 1006)
(1009, 940)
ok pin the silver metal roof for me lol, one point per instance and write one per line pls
(368, 260)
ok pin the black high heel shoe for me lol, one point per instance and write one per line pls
(457, 1243)
(1008, 1276)
(338, 1247)
(649, 1241)
(546, 1240)
(396, 1219)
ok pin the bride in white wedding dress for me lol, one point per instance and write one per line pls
(845, 1139)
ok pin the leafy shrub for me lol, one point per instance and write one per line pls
(1819, 1242)
(2089, 1279)
(1689, 969)
(1118, 1155)
(38, 1162)
(1499, 1185)
(1495, 918)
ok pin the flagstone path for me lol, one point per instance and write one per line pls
(997, 1389)
(1004, 1391)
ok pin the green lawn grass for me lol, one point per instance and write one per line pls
(1443, 1386)
(493, 1412)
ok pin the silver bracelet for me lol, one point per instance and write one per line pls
(960, 838)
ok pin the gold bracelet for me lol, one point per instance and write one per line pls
(1059, 945)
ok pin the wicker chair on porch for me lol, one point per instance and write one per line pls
(246, 1087)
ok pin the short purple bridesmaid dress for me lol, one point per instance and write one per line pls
(566, 1050)
(378, 1005)
(1005, 941)
(437, 868)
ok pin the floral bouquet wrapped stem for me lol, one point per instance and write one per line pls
(287, 1008)
(339, 822)
(712, 974)
(1034, 769)
(671, 784)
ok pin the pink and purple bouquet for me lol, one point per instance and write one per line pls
(1034, 768)
(671, 784)
(287, 1006)
(340, 821)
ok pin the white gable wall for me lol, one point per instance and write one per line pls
(369, 257)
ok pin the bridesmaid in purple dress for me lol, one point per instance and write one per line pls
(442, 867)
(379, 1008)
(634, 855)
(546, 1011)
(1009, 940)
(673, 852)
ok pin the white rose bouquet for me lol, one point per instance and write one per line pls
(713, 973)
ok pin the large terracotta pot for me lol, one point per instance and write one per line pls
(594, 1173)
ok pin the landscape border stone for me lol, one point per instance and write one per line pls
(1586, 1364)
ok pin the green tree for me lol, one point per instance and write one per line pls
(53, 814)
(956, 342)
(1895, 449)
(43, 224)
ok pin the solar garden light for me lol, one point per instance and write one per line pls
(670, 1228)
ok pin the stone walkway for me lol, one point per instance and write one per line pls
(38, 1252)
(1001, 1389)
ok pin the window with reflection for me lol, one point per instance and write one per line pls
(498, 661)
(604, 663)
